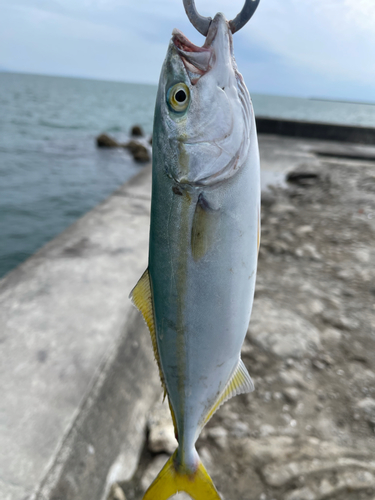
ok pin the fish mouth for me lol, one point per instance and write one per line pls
(197, 60)
(200, 60)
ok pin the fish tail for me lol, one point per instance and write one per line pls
(173, 479)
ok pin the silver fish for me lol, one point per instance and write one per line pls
(197, 293)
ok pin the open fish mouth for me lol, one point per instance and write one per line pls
(197, 60)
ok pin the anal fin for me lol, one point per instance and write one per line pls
(141, 296)
(239, 383)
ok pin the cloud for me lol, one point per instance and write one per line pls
(328, 39)
(309, 47)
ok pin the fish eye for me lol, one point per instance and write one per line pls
(178, 97)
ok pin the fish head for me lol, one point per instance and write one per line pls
(203, 110)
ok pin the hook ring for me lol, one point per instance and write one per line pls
(202, 23)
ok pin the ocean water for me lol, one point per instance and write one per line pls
(51, 172)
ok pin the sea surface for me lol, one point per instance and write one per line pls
(51, 171)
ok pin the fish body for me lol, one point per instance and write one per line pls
(204, 236)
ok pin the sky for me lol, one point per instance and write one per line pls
(306, 48)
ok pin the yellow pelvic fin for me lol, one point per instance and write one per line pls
(170, 481)
(239, 383)
(141, 297)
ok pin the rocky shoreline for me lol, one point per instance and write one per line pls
(307, 432)
(139, 146)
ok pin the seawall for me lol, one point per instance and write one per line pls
(311, 130)
(76, 366)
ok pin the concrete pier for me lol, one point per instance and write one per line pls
(75, 356)
(77, 374)
(313, 130)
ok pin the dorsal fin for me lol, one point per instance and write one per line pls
(141, 297)
(239, 383)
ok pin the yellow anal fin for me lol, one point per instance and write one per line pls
(141, 297)
(170, 481)
(239, 383)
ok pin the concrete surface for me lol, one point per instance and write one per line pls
(75, 355)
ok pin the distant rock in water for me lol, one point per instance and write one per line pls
(139, 151)
(305, 176)
(104, 141)
(138, 148)
(136, 131)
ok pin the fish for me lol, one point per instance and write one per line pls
(197, 293)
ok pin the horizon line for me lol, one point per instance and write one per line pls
(76, 77)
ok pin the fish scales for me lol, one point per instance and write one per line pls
(204, 236)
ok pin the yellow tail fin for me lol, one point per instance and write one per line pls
(170, 481)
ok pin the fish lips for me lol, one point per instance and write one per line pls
(199, 60)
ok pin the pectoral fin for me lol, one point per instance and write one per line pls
(141, 296)
(239, 383)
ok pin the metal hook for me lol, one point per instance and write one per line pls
(202, 23)
(244, 16)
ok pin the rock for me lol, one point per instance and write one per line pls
(267, 430)
(361, 375)
(318, 364)
(139, 151)
(348, 481)
(116, 493)
(153, 470)
(239, 429)
(292, 395)
(293, 378)
(346, 274)
(219, 435)
(301, 494)
(303, 230)
(278, 475)
(275, 448)
(104, 141)
(136, 131)
(332, 336)
(161, 431)
(363, 255)
(303, 176)
(282, 332)
(339, 321)
(311, 307)
(283, 208)
(310, 251)
(267, 199)
(247, 349)
(367, 405)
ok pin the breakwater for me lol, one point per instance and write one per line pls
(311, 130)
